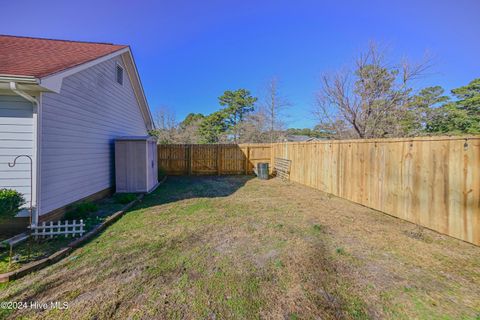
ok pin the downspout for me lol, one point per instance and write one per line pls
(32, 99)
(13, 87)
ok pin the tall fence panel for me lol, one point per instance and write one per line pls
(433, 182)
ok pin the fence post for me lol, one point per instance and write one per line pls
(190, 159)
(169, 161)
(272, 157)
(219, 160)
(247, 160)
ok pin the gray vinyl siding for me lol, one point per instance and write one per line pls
(79, 126)
(16, 138)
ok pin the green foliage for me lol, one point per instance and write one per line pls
(154, 133)
(81, 210)
(213, 126)
(238, 103)
(461, 116)
(314, 133)
(278, 264)
(293, 316)
(432, 112)
(191, 119)
(124, 198)
(10, 202)
(430, 97)
(468, 104)
(469, 97)
(452, 120)
(421, 110)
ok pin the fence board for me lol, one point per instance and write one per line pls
(174, 159)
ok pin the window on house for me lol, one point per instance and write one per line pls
(119, 74)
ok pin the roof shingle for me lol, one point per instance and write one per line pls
(37, 57)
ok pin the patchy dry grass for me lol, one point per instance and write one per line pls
(235, 248)
(32, 250)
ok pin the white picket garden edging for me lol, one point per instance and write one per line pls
(66, 228)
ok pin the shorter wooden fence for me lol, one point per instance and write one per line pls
(212, 159)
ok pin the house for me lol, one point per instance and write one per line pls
(300, 138)
(62, 103)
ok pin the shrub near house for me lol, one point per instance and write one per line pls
(10, 203)
(81, 211)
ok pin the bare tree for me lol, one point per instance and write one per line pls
(253, 128)
(165, 118)
(370, 102)
(166, 125)
(273, 108)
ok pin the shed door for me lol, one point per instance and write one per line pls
(16, 138)
(152, 164)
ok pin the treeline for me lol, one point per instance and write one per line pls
(375, 99)
(378, 100)
(241, 118)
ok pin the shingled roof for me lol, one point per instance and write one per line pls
(37, 57)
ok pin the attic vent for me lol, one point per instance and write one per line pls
(119, 74)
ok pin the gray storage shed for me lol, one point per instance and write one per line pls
(136, 168)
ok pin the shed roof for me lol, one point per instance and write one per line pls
(134, 138)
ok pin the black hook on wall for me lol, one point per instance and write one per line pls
(11, 165)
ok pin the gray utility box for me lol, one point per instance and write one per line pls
(136, 168)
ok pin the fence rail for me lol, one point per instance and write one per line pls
(433, 182)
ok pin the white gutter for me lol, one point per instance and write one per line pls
(23, 94)
(22, 79)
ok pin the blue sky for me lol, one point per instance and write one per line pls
(189, 52)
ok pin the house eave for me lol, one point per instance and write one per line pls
(138, 88)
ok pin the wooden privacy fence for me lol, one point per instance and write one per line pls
(205, 159)
(433, 182)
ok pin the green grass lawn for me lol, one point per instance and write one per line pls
(241, 248)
